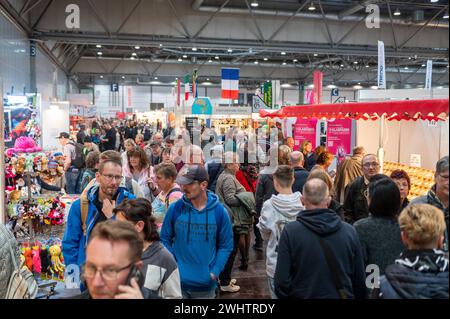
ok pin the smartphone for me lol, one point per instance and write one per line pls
(137, 275)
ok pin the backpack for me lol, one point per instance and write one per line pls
(79, 161)
(22, 284)
(84, 204)
(177, 213)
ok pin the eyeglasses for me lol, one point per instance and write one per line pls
(113, 177)
(108, 274)
(373, 164)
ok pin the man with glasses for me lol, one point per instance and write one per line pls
(102, 197)
(113, 260)
(355, 202)
(438, 194)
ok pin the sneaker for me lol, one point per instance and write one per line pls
(230, 288)
(233, 281)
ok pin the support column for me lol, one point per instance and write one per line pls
(33, 88)
(301, 93)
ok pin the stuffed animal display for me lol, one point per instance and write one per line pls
(57, 266)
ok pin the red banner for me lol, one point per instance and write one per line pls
(339, 137)
(305, 130)
(121, 115)
(318, 81)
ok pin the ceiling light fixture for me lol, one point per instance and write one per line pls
(295, 60)
(397, 12)
(194, 49)
(315, 54)
(98, 46)
(367, 66)
(266, 59)
(132, 58)
(312, 7)
(185, 56)
(356, 62)
(101, 76)
(137, 47)
(284, 63)
(283, 53)
(342, 65)
(133, 54)
(123, 77)
(156, 78)
(180, 60)
(406, 68)
(230, 50)
(445, 16)
(99, 53)
(434, 1)
(256, 62)
(254, 4)
(210, 61)
(216, 57)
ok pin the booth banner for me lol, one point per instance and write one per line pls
(234, 110)
(202, 106)
(22, 117)
(309, 97)
(305, 130)
(429, 75)
(318, 83)
(267, 91)
(121, 115)
(90, 112)
(339, 137)
(381, 66)
(76, 110)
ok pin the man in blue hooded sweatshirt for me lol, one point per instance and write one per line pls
(198, 232)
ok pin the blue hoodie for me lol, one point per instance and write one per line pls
(200, 241)
(74, 242)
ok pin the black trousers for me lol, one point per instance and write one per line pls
(225, 275)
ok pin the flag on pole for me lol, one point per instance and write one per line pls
(194, 84)
(178, 92)
(381, 66)
(429, 76)
(187, 87)
(230, 83)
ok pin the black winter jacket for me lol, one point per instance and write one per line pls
(302, 271)
(264, 190)
(355, 203)
(300, 176)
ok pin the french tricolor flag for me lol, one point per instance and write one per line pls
(230, 84)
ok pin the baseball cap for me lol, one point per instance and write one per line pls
(155, 143)
(63, 135)
(192, 173)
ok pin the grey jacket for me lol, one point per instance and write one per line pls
(162, 278)
(7, 242)
(227, 187)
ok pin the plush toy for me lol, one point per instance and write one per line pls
(20, 165)
(15, 195)
(29, 161)
(9, 178)
(28, 258)
(45, 261)
(57, 265)
(44, 164)
(36, 260)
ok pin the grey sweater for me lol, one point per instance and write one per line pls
(380, 241)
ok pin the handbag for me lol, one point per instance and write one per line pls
(22, 284)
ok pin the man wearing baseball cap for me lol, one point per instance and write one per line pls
(71, 173)
(198, 232)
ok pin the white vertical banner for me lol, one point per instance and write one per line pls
(276, 94)
(381, 66)
(429, 77)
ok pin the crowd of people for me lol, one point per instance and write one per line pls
(165, 213)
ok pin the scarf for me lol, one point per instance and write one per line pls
(426, 261)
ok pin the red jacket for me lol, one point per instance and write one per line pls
(244, 182)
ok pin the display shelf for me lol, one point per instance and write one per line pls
(421, 179)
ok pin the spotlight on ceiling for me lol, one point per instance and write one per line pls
(312, 7)
(230, 50)
(295, 60)
(180, 60)
(283, 53)
(254, 4)
(216, 57)
(99, 53)
(133, 54)
(445, 15)
(101, 76)
(137, 47)
(98, 46)
(266, 59)
(256, 62)
(194, 49)
(397, 12)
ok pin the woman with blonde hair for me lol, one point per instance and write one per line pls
(421, 271)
